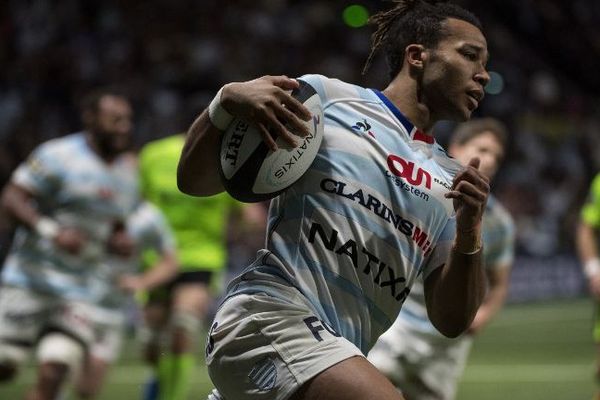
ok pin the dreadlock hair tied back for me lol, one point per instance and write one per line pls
(411, 22)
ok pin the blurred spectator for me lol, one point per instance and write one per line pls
(589, 257)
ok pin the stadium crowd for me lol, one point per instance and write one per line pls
(172, 57)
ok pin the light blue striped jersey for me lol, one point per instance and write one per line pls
(498, 233)
(75, 187)
(150, 231)
(365, 220)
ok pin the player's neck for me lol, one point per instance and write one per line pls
(403, 93)
(106, 156)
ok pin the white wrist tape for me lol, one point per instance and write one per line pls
(46, 228)
(219, 117)
(592, 267)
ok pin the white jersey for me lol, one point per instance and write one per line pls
(150, 232)
(365, 220)
(498, 233)
(75, 187)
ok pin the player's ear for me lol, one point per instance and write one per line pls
(415, 55)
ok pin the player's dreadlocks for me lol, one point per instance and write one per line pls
(408, 22)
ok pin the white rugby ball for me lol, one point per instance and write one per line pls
(251, 172)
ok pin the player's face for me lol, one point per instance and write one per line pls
(486, 147)
(454, 72)
(112, 125)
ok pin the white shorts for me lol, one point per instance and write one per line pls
(25, 315)
(423, 366)
(261, 347)
(109, 330)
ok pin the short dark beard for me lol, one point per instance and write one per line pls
(103, 144)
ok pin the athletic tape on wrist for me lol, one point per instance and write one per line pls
(46, 227)
(219, 117)
(592, 267)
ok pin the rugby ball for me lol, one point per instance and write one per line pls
(251, 172)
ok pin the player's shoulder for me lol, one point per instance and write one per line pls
(61, 151)
(62, 144)
(448, 164)
(143, 208)
(333, 89)
(500, 213)
(147, 213)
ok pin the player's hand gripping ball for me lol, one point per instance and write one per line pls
(251, 172)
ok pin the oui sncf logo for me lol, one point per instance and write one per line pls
(408, 171)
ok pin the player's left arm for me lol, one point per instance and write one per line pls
(163, 271)
(454, 291)
(498, 278)
(157, 236)
(587, 250)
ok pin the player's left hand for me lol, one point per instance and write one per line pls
(130, 283)
(469, 192)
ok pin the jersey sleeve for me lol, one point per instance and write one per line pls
(41, 173)
(319, 83)
(590, 212)
(155, 233)
(332, 90)
(501, 252)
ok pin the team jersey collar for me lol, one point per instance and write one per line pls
(414, 132)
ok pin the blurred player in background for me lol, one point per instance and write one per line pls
(378, 207)
(587, 247)
(70, 198)
(113, 285)
(418, 359)
(200, 227)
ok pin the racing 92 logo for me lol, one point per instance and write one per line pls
(408, 171)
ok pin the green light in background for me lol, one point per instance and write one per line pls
(496, 83)
(355, 16)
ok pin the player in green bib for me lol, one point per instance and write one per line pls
(200, 228)
(587, 248)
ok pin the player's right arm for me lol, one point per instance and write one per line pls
(264, 102)
(587, 250)
(17, 201)
(165, 269)
(587, 240)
